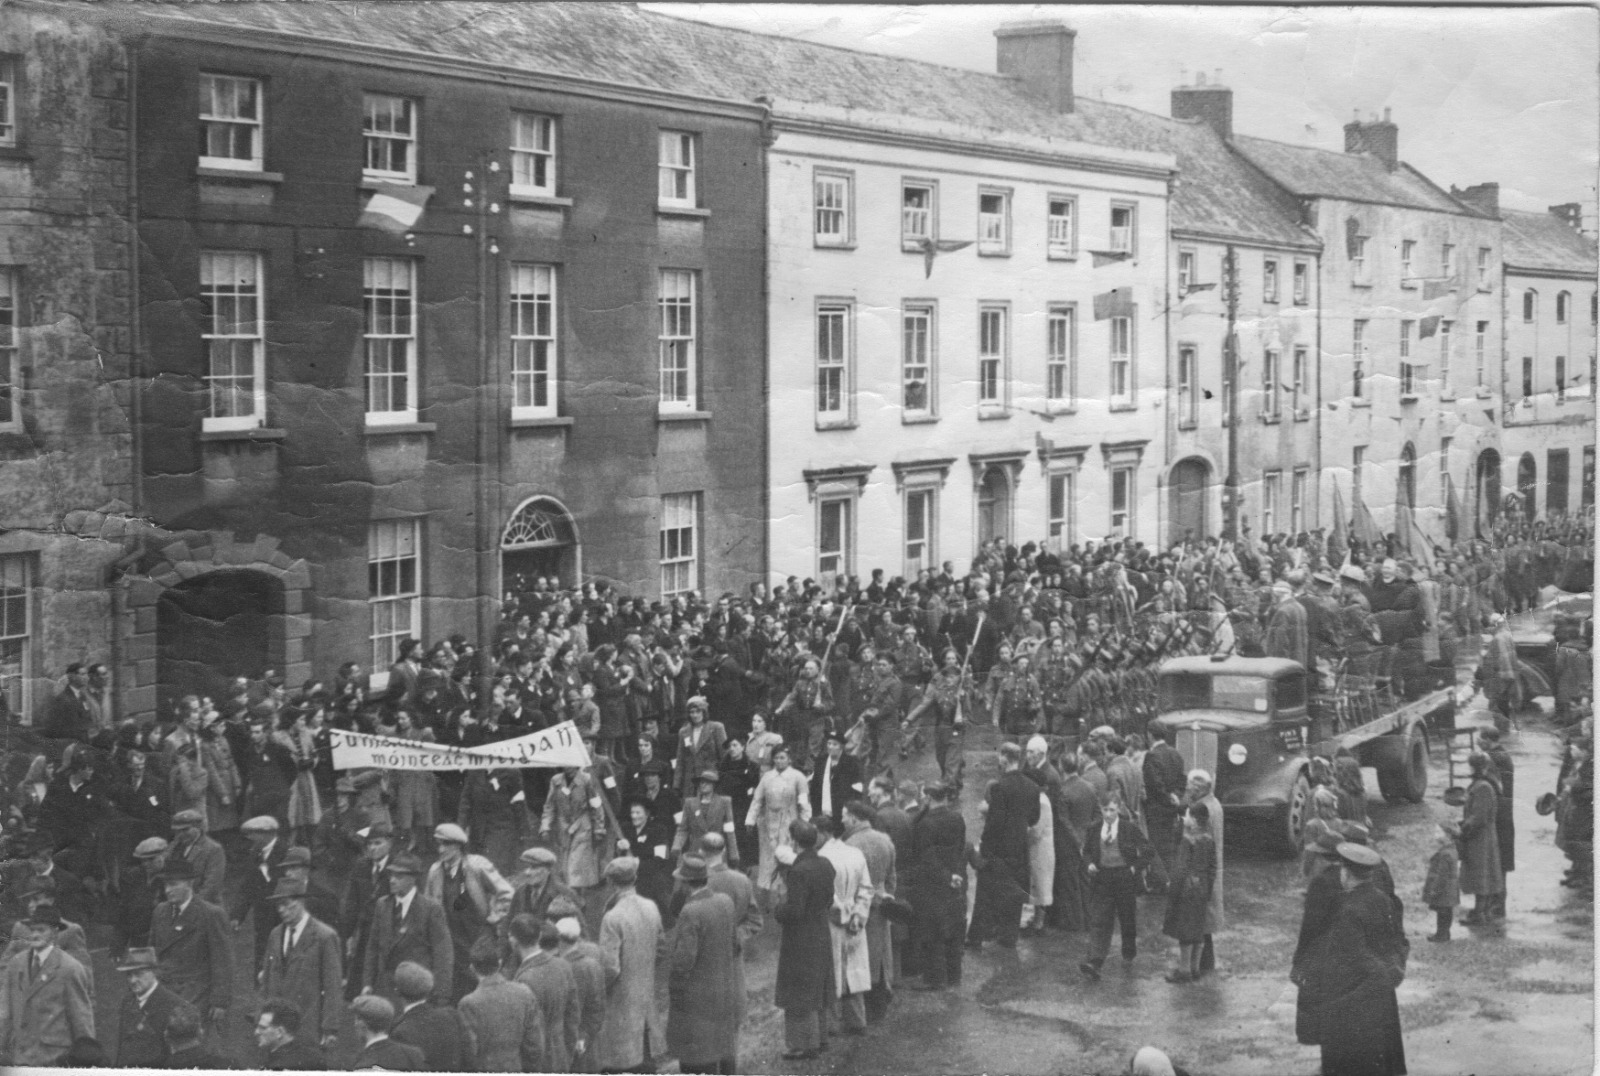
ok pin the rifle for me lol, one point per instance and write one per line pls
(961, 694)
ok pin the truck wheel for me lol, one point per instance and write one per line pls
(1415, 780)
(1292, 821)
(1402, 765)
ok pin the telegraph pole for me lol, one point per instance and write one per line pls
(481, 195)
(1230, 362)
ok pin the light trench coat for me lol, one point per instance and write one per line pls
(1042, 856)
(780, 799)
(852, 896)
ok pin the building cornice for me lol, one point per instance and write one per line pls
(1305, 246)
(149, 24)
(1551, 274)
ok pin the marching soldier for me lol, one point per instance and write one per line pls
(948, 695)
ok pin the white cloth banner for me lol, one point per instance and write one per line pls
(556, 746)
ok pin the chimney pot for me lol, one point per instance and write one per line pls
(1385, 113)
(1210, 103)
(1380, 138)
(1039, 55)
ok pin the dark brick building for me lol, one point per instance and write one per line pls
(359, 422)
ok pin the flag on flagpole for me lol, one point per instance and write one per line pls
(1429, 326)
(1102, 258)
(1452, 510)
(931, 247)
(1339, 538)
(1421, 545)
(394, 207)
(1438, 289)
(1116, 303)
(1362, 525)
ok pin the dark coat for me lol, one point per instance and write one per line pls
(423, 937)
(196, 952)
(846, 780)
(1189, 894)
(311, 977)
(504, 1025)
(296, 1055)
(72, 818)
(438, 1032)
(270, 772)
(1442, 888)
(704, 1008)
(1131, 843)
(71, 717)
(938, 852)
(1351, 987)
(805, 953)
(390, 1054)
(1013, 809)
(141, 1030)
(1480, 842)
(551, 980)
(1504, 817)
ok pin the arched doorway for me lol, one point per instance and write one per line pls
(212, 628)
(1528, 484)
(540, 540)
(994, 505)
(1188, 491)
(1487, 489)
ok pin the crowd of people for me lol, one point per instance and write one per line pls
(743, 752)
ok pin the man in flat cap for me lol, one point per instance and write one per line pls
(465, 885)
(339, 841)
(367, 885)
(320, 900)
(407, 925)
(374, 1016)
(137, 892)
(146, 1009)
(190, 843)
(259, 876)
(303, 964)
(46, 1002)
(437, 1030)
(537, 884)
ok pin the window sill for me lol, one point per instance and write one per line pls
(1409, 285)
(1123, 405)
(818, 244)
(1303, 415)
(1060, 407)
(1361, 283)
(547, 201)
(913, 246)
(1062, 256)
(1188, 424)
(543, 423)
(1408, 398)
(375, 183)
(15, 153)
(994, 254)
(1271, 300)
(1360, 403)
(683, 416)
(1302, 302)
(992, 413)
(1483, 392)
(1447, 397)
(1271, 420)
(399, 428)
(682, 211)
(836, 424)
(230, 175)
(918, 420)
(255, 433)
(1486, 289)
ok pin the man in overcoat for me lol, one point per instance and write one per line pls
(193, 944)
(1003, 850)
(406, 925)
(366, 885)
(704, 977)
(1481, 871)
(1505, 826)
(464, 885)
(302, 964)
(189, 842)
(505, 1028)
(879, 852)
(550, 978)
(45, 1001)
(936, 878)
(847, 923)
(630, 935)
(436, 1030)
(805, 984)
(589, 973)
(146, 1009)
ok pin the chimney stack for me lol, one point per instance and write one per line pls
(1569, 213)
(1381, 138)
(1484, 197)
(1213, 104)
(1040, 55)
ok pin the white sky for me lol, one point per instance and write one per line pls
(1479, 94)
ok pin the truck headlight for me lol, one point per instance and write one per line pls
(1237, 754)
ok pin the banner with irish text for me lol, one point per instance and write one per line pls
(556, 746)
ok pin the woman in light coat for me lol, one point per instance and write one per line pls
(781, 798)
(574, 822)
(222, 791)
(1041, 862)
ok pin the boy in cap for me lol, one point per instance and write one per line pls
(1441, 891)
(138, 891)
(255, 892)
(146, 1009)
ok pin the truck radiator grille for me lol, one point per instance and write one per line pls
(1199, 750)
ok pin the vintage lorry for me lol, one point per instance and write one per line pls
(1251, 723)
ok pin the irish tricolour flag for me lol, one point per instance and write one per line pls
(395, 208)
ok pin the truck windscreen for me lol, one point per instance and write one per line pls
(1196, 691)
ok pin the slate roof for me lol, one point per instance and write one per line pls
(1542, 241)
(1357, 177)
(1216, 193)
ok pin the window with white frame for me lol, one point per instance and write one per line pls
(1563, 301)
(8, 102)
(1063, 226)
(16, 632)
(1123, 500)
(1062, 509)
(994, 222)
(921, 511)
(1527, 378)
(1480, 352)
(1301, 385)
(394, 586)
(1358, 359)
(10, 362)
(1124, 228)
(916, 213)
(533, 154)
(1269, 280)
(1358, 259)
(1446, 334)
(1271, 487)
(916, 359)
(1271, 398)
(389, 128)
(1530, 304)
(1408, 253)
(1561, 378)
(992, 344)
(677, 168)
(1186, 269)
(676, 340)
(230, 123)
(1061, 356)
(390, 299)
(1302, 283)
(1447, 260)
(835, 539)
(1485, 254)
(533, 341)
(1408, 383)
(1122, 360)
(680, 543)
(230, 297)
(1297, 501)
(834, 219)
(833, 363)
(1188, 374)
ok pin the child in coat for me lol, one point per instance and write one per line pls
(1442, 891)
(1189, 893)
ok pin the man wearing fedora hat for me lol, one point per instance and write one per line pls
(320, 900)
(191, 939)
(302, 964)
(407, 925)
(46, 1001)
(146, 1009)
(705, 1003)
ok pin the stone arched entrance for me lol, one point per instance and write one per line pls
(210, 607)
(994, 505)
(540, 540)
(1188, 489)
(1486, 494)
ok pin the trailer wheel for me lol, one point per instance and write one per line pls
(1402, 765)
(1292, 821)
(1416, 766)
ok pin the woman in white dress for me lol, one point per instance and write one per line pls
(1041, 864)
(781, 797)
